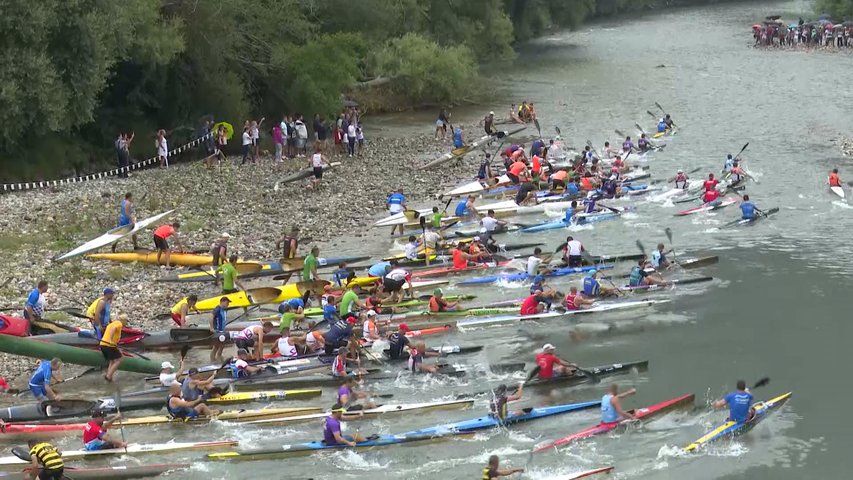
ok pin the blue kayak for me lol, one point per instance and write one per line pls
(580, 219)
(314, 447)
(515, 277)
(487, 421)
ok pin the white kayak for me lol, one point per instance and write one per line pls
(585, 473)
(113, 236)
(509, 206)
(838, 191)
(599, 307)
(133, 448)
(369, 412)
(402, 217)
(476, 187)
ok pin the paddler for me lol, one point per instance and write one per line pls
(465, 208)
(834, 179)
(339, 333)
(396, 204)
(628, 145)
(370, 327)
(416, 359)
(34, 308)
(168, 376)
(461, 258)
(309, 267)
(218, 320)
(180, 311)
(711, 183)
(592, 287)
(489, 124)
(437, 303)
(533, 305)
(378, 270)
(458, 141)
(549, 365)
(739, 403)
(659, 261)
(611, 407)
(46, 461)
(437, 217)
(98, 312)
(668, 120)
(229, 273)
(526, 194)
(730, 162)
(545, 293)
(611, 187)
(736, 175)
(339, 363)
(411, 248)
(95, 433)
(348, 395)
(618, 166)
(747, 209)
(517, 171)
(573, 251)
(682, 181)
(643, 144)
(573, 188)
(251, 339)
(161, 240)
(494, 470)
(711, 197)
(484, 173)
(500, 399)
(127, 216)
(393, 283)
(332, 428)
(193, 386)
(662, 126)
(642, 274)
(431, 238)
(315, 341)
(289, 244)
(376, 298)
(219, 249)
(291, 319)
(555, 152)
(534, 263)
(46, 374)
(478, 249)
(240, 367)
(288, 347)
(575, 300)
(491, 224)
(398, 341)
(109, 346)
(609, 152)
(513, 114)
(179, 407)
(349, 303)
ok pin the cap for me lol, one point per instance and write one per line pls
(538, 279)
(242, 351)
(371, 313)
(548, 347)
(476, 239)
(226, 235)
(351, 318)
(404, 327)
(225, 299)
(438, 291)
(97, 413)
(167, 365)
(680, 171)
(491, 113)
(109, 291)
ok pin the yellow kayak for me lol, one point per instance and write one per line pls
(229, 415)
(260, 296)
(150, 256)
(245, 397)
(208, 273)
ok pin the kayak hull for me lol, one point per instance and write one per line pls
(150, 257)
(118, 472)
(372, 412)
(261, 295)
(515, 277)
(731, 429)
(31, 347)
(132, 449)
(113, 236)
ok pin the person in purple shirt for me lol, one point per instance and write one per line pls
(347, 396)
(739, 403)
(332, 429)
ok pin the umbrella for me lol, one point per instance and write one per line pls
(792, 25)
(229, 130)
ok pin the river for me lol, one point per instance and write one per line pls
(774, 308)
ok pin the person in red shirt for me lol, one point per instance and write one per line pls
(576, 301)
(711, 183)
(532, 305)
(161, 235)
(95, 433)
(549, 365)
(710, 196)
(517, 172)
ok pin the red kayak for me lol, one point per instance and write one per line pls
(708, 207)
(641, 414)
(448, 270)
(15, 326)
(39, 430)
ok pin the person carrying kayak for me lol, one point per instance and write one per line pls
(46, 461)
(576, 301)
(494, 470)
(834, 179)
(217, 328)
(659, 261)
(95, 435)
(40, 381)
(98, 312)
(229, 276)
(219, 249)
(549, 365)
(180, 311)
(332, 434)
(161, 241)
(396, 204)
(34, 308)
(251, 339)
(109, 346)
(592, 287)
(611, 408)
(501, 397)
(747, 209)
(126, 217)
(416, 364)
(642, 275)
(179, 407)
(465, 208)
(739, 403)
(437, 303)
(681, 180)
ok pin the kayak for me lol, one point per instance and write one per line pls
(171, 339)
(750, 221)
(261, 295)
(698, 262)
(487, 421)
(838, 191)
(448, 270)
(465, 312)
(304, 173)
(116, 472)
(584, 474)
(515, 277)
(258, 269)
(599, 307)
(327, 380)
(133, 448)
(367, 281)
(578, 219)
(309, 448)
(643, 414)
(30, 430)
(14, 326)
(226, 416)
(509, 206)
(144, 255)
(157, 402)
(682, 281)
(445, 350)
(368, 413)
(598, 372)
(464, 150)
(716, 205)
(732, 429)
(476, 187)
(112, 236)
(32, 347)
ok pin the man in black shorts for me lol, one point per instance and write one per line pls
(526, 192)
(394, 281)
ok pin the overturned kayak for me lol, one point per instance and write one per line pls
(113, 236)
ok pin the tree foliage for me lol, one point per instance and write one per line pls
(837, 9)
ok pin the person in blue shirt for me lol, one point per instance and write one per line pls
(465, 207)
(378, 269)
(47, 371)
(662, 126)
(217, 327)
(536, 147)
(747, 209)
(343, 275)
(34, 308)
(739, 403)
(570, 212)
(396, 204)
(572, 188)
(297, 305)
(330, 310)
(458, 142)
(592, 287)
(127, 216)
(611, 408)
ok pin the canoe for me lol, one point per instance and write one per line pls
(32, 347)
(517, 277)
(372, 412)
(740, 222)
(36, 430)
(259, 269)
(680, 281)
(116, 472)
(707, 207)
(585, 473)
(599, 307)
(643, 414)
(477, 187)
(14, 326)
(171, 339)
(732, 429)
(113, 236)
(462, 151)
(304, 173)
(510, 207)
(157, 402)
(226, 416)
(132, 449)
(838, 191)
(599, 372)
(261, 295)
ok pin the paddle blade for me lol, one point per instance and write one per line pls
(557, 129)
(184, 350)
(764, 381)
(661, 108)
(668, 232)
(22, 453)
(619, 133)
(560, 247)
(641, 247)
(538, 129)
(532, 374)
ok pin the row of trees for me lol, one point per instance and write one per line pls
(76, 72)
(837, 9)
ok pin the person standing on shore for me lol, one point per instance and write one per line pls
(219, 249)
(229, 276)
(317, 163)
(397, 204)
(278, 141)
(120, 156)
(351, 137)
(256, 139)
(98, 312)
(162, 148)
(161, 243)
(309, 269)
(127, 216)
(301, 136)
(247, 145)
(109, 346)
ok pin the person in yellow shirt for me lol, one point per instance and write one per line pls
(46, 461)
(109, 345)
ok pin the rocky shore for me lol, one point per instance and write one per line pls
(36, 226)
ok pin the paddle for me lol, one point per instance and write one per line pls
(640, 128)
(689, 173)
(668, 233)
(741, 151)
(622, 135)
(538, 129)
(761, 382)
(641, 247)
(117, 398)
(422, 221)
(652, 115)
(664, 112)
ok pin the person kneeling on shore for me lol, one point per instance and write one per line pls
(180, 408)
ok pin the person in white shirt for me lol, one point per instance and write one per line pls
(573, 252)
(247, 145)
(256, 138)
(317, 163)
(430, 239)
(351, 137)
(555, 153)
(411, 248)
(301, 137)
(534, 263)
(168, 376)
(162, 148)
(393, 283)
(490, 223)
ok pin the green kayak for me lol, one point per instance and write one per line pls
(31, 347)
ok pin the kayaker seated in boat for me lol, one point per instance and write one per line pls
(491, 224)
(659, 260)
(348, 396)
(431, 238)
(218, 319)
(643, 144)
(575, 300)
(662, 126)
(739, 403)
(289, 347)
(46, 462)
(290, 320)
(736, 175)
(569, 216)
(46, 374)
(588, 182)
(95, 435)
(179, 407)
(611, 188)
(416, 359)
(168, 375)
(682, 181)
(462, 259)
(549, 365)
(501, 397)
(592, 287)
(834, 181)
(611, 407)
(729, 164)
(609, 152)
(628, 145)
(411, 249)
(526, 194)
(465, 209)
(747, 209)
(161, 241)
(240, 367)
(251, 338)
(620, 165)
(669, 122)
(98, 312)
(517, 171)
(494, 470)
(370, 326)
(394, 281)
(544, 292)
(180, 311)
(339, 333)
(339, 364)
(332, 429)
(711, 197)
(477, 249)
(642, 274)
(194, 386)
(437, 303)
(109, 346)
(711, 183)
(557, 181)
(538, 263)
(590, 204)
(398, 341)
(533, 304)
